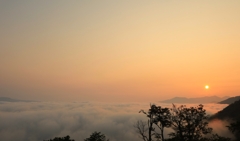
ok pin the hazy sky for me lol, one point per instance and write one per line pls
(106, 50)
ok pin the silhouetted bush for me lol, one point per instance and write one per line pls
(96, 136)
(67, 138)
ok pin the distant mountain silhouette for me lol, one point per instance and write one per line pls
(230, 112)
(7, 99)
(198, 100)
(230, 100)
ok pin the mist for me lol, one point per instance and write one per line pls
(37, 121)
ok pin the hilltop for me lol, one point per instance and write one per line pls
(198, 100)
(231, 112)
(230, 100)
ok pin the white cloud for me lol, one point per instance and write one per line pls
(37, 121)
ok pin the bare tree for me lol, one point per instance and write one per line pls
(158, 119)
(141, 129)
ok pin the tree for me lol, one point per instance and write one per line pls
(96, 136)
(158, 119)
(67, 138)
(142, 129)
(235, 129)
(189, 124)
(216, 137)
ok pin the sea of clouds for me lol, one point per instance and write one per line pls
(38, 121)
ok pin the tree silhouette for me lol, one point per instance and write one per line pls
(96, 136)
(188, 124)
(216, 137)
(158, 119)
(235, 129)
(67, 138)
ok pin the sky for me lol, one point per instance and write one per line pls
(89, 50)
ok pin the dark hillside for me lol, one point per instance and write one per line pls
(198, 100)
(230, 100)
(231, 112)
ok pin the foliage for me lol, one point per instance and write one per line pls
(67, 138)
(235, 129)
(216, 137)
(158, 119)
(188, 124)
(96, 136)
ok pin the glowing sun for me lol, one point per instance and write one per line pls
(206, 87)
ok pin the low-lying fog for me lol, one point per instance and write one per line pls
(36, 121)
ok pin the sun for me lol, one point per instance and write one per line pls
(206, 87)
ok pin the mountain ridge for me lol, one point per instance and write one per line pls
(206, 99)
(7, 99)
(230, 100)
(231, 112)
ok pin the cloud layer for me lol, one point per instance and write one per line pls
(37, 121)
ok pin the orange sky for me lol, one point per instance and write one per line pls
(119, 51)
